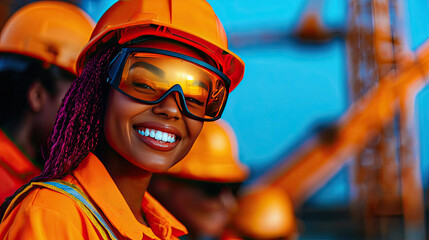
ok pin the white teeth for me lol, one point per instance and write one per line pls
(158, 135)
(164, 137)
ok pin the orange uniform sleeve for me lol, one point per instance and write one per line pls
(45, 214)
(38, 223)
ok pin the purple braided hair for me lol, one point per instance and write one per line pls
(79, 122)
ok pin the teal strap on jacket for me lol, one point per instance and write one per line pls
(72, 191)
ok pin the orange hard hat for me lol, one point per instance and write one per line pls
(191, 22)
(213, 157)
(265, 213)
(52, 31)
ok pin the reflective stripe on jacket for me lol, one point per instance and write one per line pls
(76, 195)
(44, 213)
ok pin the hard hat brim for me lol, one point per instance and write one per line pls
(232, 65)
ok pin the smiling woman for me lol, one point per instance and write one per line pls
(146, 84)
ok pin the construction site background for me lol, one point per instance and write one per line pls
(333, 108)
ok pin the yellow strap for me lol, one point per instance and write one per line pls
(82, 206)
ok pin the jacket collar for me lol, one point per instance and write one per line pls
(100, 187)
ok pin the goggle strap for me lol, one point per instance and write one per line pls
(126, 51)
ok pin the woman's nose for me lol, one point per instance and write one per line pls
(168, 107)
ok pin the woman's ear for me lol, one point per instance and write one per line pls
(36, 97)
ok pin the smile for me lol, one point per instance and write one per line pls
(157, 135)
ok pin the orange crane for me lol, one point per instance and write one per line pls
(384, 78)
(316, 162)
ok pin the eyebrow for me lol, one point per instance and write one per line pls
(201, 84)
(152, 68)
(160, 73)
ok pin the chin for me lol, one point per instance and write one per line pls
(157, 166)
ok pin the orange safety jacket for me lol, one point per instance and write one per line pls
(15, 168)
(48, 214)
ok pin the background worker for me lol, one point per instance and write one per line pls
(39, 46)
(200, 190)
(263, 213)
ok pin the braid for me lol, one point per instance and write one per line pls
(79, 122)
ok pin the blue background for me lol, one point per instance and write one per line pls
(289, 89)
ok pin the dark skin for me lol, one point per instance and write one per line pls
(131, 158)
(132, 173)
(132, 185)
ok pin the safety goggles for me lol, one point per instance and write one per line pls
(149, 75)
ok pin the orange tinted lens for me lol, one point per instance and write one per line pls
(148, 76)
(216, 100)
